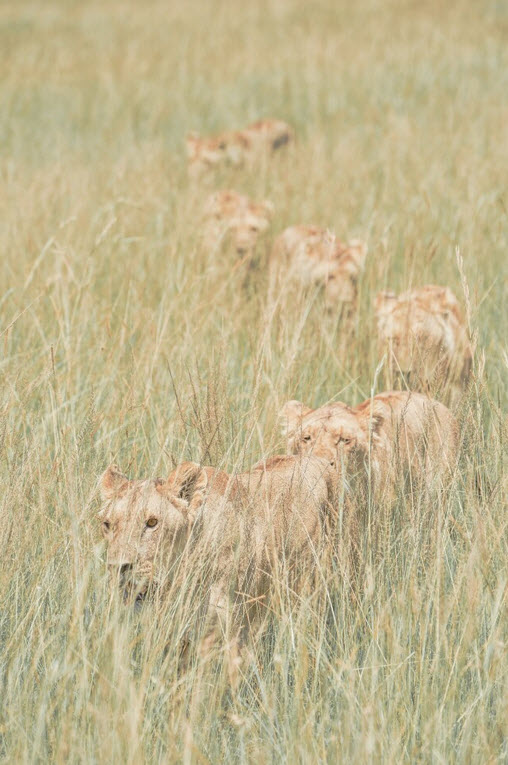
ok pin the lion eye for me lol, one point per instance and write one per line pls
(151, 522)
(345, 440)
(254, 229)
(106, 526)
(307, 438)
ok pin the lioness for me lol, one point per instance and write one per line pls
(394, 433)
(239, 531)
(425, 335)
(314, 256)
(237, 147)
(234, 215)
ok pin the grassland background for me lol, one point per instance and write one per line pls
(123, 338)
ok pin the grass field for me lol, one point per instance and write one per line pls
(123, 339)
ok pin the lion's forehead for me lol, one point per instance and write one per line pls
(141, 498)
(406, 315)
(331, 422)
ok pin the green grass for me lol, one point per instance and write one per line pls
(123, 339)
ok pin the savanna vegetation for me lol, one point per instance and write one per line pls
(125, 339)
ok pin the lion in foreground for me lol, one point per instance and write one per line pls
(240, 532)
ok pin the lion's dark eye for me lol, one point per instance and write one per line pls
(307, 438)
(346, 440)
(106, 526)
(254, 229)
(151, 522)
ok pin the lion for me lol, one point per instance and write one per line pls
(394, 434)
(237, 531)
(424, 332)
(313, 256)
(230, 215)
(236, 148)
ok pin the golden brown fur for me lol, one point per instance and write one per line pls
(233, 216)
(241, 530)
(313, 256)
(391, 435)
(238, 147)
(424, 332)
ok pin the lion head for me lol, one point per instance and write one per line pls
(233, 215)
(146, 524)
(335, 432)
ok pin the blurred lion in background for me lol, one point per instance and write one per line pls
(233, 217)
(313, 257)
(425, 335)
(236, 147)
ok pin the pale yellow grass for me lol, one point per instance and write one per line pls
(123, 338)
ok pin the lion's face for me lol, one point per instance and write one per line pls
(145, 525)
(346, 266)
(335, 432)
(324, 260)
(340, 286)
(247, 227)
(205, 154)
(416, 337)
(235, 216)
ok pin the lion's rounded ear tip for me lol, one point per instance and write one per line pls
(113, 482)
(111, 472)
(291, 408)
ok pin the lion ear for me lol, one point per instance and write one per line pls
(372, 417)
(113, 483)
(291, 415)
(384, 302)
(187, 481)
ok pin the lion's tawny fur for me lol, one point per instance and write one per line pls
(425, 335)
(236, 147)
(313, 257)
(394, 434)
(233, 216)
(241, 530)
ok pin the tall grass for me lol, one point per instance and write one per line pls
(123, 338)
